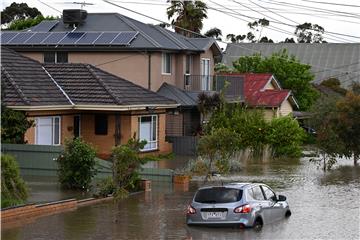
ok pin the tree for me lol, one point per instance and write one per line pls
(265, 40)
(187, 15)
(21, 24)
(13, 188)
(289, 40)
(215, 33)
(324, 119)
(348, 124)
(218, 146)
(288, 71)
(18, 11)
(14, 124)
(334, 84)
(309, 33)
(77, 165)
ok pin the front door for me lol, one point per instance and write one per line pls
(205, 74)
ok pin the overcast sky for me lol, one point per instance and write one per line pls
(232, 16)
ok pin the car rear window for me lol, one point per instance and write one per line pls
(218, 195)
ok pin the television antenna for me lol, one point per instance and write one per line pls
(82, 4)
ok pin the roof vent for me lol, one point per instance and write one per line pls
(74, 16)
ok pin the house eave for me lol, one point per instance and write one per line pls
(94, 107)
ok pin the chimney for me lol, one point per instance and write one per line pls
(74, 16)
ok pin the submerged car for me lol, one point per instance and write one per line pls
(242, 204)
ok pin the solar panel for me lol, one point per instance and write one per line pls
(68, 38)
(88, 38)
(54, 38)
(44, 26)
(124, 38)
(71, 38)
(21, 38)
(106, 38)
(37, 38)
(7, 36)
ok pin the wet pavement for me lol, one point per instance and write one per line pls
(324, 206)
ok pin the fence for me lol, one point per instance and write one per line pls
(183, 145)
(40, 160)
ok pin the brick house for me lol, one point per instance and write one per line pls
(67, 100)
(145, 54)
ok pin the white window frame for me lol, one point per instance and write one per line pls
(149, 143)
(163, 64)
(205, 86)
(52, 129)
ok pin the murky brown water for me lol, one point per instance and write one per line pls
(324, 206)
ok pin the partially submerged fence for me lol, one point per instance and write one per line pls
(41, 160)
(183, 145)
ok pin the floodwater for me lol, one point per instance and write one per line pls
(324, 206)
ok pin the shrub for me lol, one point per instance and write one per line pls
(13, 189)
(106, 187)
(285, 137)
(77, 164)
(13, 126)
(126, 163)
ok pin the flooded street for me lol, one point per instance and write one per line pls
(324, 206)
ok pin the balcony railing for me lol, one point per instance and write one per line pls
(233, 85)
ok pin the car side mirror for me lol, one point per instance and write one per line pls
(281, 198)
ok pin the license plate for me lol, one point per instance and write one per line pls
(214, 215)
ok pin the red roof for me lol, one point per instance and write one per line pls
(256, 94)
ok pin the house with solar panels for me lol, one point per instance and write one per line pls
(68, 100)
(145, 54)
(148, 55)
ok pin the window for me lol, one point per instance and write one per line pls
(205, 73)
(218, 195)
(55, 57)
(166, 63)
(148, 132)
(101, 124)
(256, 193)
(188, 63)
(269, 195)
(47, 130)
(77, 125)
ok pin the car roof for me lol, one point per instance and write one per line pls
(238, 185)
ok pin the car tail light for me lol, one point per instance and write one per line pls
(190, 210)
(243, 209)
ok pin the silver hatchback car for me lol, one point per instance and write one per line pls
(243, 204)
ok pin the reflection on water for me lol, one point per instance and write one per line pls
(324, 206)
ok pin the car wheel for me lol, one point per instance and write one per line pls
(288, 214)
(258, 224)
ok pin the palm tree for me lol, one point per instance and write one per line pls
(187, 15)
(214, 32)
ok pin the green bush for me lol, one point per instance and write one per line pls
(285, 137)
(13, 189)
(77, 165)
(126, 164)
(13, 126)
(106, 187)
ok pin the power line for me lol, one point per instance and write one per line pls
(199, 34)
(279, 22)
(50, 6)
(273, 28)
(312, 8)
(295, 21)
(337, 4)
